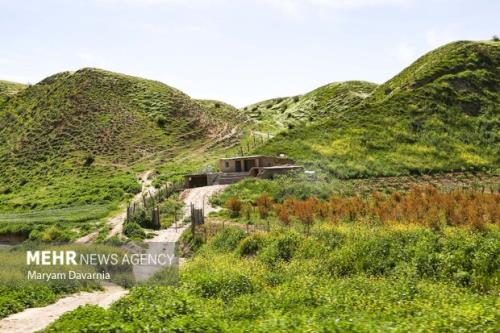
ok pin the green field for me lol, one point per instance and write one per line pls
(347, 277)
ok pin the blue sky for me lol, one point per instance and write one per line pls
(236, 51)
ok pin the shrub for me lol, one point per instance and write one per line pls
(224, 285)
(5, 190)
(89, 160)
(55, 233)
(283, 215)
(264, 204)
(280, 248)
(250, 245)
(234, 205)
(228, 239)
(304, 210)
(495, 38)
(247, 213)
(133, 230)
(161, 120)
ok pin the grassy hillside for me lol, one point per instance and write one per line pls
(78, 139)
(441, 113)
(7, 89)
(285, 113)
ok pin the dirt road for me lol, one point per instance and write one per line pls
(199, 197)
(35, 319)
(164, 241)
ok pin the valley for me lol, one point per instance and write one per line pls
(391, 223)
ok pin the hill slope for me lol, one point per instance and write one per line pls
(283, 113)
(442, 113)
(74, 138)
(8, 89)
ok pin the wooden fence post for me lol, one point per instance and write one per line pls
(155, 217)
(193, 226)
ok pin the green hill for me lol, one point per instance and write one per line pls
(80, 138)
(8, 89)
(285, 113)
(441, 113)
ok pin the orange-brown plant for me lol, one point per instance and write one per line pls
(264, 204)
(234, 205)
(283, 214)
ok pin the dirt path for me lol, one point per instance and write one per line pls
(199, 197)
(164, 241)
(35, 319)
(116, 221)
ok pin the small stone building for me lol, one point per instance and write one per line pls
(234, 169)
(246, 163)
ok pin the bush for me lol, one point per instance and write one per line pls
(161, 120)
(5, 190)
(234, 205)
(55, 233)
(304, 210)
(88, 161)
(133, 230)
(280, 248)
(264, 204)
(228, 239)
(225, 285)
(250, 245)
(283, 215)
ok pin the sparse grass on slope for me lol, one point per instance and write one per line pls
(8, 89)
(80, 138)
(285, 113)
(440, 114)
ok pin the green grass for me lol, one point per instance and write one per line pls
(70, 214)
(77, 140)
(8, 89)
(440, 114)
(340, 278)
(280, 114)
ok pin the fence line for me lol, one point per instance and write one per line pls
(150, 202)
